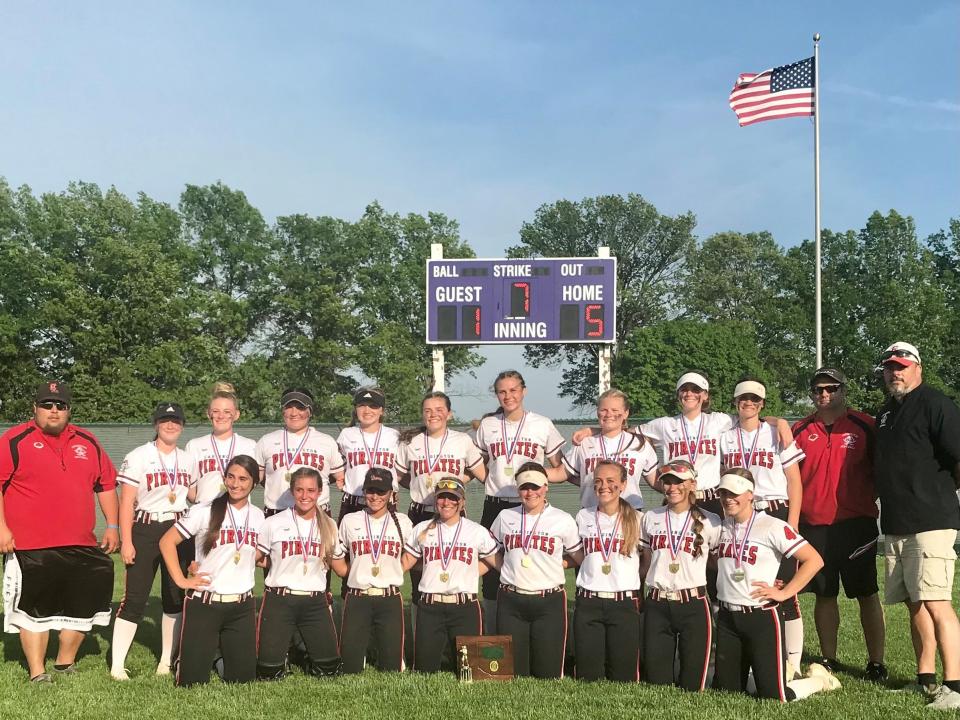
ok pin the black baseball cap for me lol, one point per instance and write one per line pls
(378, 479)
(169, 411)
(369, 396)
(830, 372)
(53, 390)
(295, 396)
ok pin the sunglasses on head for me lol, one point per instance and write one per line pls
(53, 404)
(830, 389)
(674, 468)
(448, 485)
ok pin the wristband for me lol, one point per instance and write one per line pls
(113, 527)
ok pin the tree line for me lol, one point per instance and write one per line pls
(134, 301)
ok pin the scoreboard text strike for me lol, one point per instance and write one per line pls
(530, 301)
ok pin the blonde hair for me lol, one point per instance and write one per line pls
(326, 525)
(629, 518)
(223, 389)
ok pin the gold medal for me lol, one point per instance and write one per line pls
(738, 575)
(526, 561)
(286, 478)
(304, 568)
(375, 570)
(444, 577)
(172, 497)
(674, 567)
(223, 488)
(606, 568)
(429, 481)
(508, 470)
(236, 558)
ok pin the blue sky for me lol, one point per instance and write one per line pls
(485, 111)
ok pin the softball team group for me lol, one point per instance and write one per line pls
(708, 578)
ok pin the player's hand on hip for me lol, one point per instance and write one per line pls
(6, 540)
(199, 581)
(128, 553)
(765, 591)
(110, 540)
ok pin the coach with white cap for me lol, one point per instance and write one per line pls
(917, 474)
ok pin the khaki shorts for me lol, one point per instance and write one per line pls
(919, 567)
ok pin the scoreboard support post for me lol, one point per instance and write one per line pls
(603, 364)
(439, 366)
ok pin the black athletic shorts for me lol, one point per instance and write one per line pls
(61, 588)
(849, 552)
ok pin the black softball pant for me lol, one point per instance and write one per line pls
(438, 625)
(672, 627)
(140, 575)
(538, 624)
(367, 617)
(491, 509)
(751, 640)
(283, 615)
(607, 638)
(206, 626)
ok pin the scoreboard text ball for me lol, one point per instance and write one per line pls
(529, 301)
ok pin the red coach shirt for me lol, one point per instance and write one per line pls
(837, 473)
(48, 485)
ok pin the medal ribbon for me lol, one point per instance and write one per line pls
(377, 547)
(286, 448)
(238, 537)
(605, 548)
(524, 538)
(304, 544)
(446, 555)
(675, 548)
(747, 459)
(692, 450)
(738, 549)
(376, 444)
(620, 444)
(509, 447)
(171, 478)
(221, 460)
(432, 464)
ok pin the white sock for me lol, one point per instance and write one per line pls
(123, 632)
(169, 624)
(805, 687)
(793, 634)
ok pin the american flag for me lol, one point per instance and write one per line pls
(785, 91)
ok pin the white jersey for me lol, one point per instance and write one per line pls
(625, 449)
(601, 548)
(768, 542)
(767, 460)
(209, 459)
(451, 555)
(295, 550)
(665, 558)
(697, 441)
(239, 535)
(534, 545)
(382, 540)
(533, 437)
(451, 454)
(356, 445)
(280, 452)
(162, 480)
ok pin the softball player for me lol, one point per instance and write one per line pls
(532, 603)
(613, 443)
(295, 445)
(219, 609)
(749, 632)
(772, 459)
(451, 549)
(210, 454)
(368, 555)
(299, 544)
(367, 443)
(426, 455)
(508, 438)
(676, 540)
(606, 621)
(155, 480)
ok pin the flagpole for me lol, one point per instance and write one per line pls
(816, 189)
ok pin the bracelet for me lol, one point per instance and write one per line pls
(113, 527)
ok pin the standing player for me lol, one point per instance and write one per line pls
(451, 549)
(612, 443)
(773, 463)
(532, 604)
(366, 444)
(508, 438)
(676, 540)
(219, 610)
(606, 622)
(368, 555)
(430, 453)
(749, 632)
(155, 480)
(211, 453)
(299, 544)
(293, 446)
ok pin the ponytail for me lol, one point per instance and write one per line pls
(328, 535)
(218, 511)
(396, 521)
(697, 514)
(630, 524)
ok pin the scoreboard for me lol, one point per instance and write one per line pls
(524, 301)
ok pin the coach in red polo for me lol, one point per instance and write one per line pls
(56, 575)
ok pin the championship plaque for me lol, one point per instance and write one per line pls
(486, 657)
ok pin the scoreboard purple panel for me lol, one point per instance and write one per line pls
(527, 301)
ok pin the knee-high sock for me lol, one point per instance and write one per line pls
(123, 632)
(169, 625)
(793, 635)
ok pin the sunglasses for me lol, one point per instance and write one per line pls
(829, 389)
(750, 397)
(53, 404)
(675, 468)
(448, 485)
(295, 405)
(898, 354)
(376, 491)
(690, 388)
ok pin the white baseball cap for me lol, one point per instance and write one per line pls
(693, 379)
(735, 484)
(532, 477)
(750, 387)
(901, 353)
